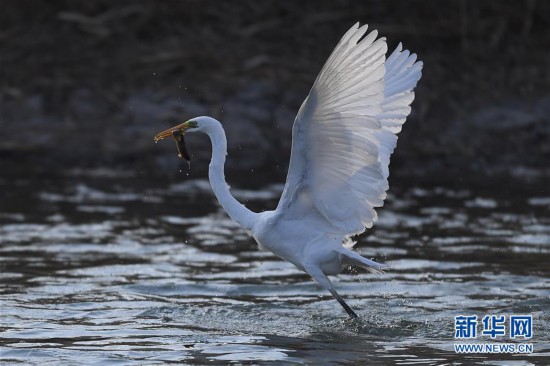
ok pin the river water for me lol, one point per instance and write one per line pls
(107, 267)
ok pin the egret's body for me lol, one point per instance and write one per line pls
(342, 139)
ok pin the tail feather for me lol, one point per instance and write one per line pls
(350, 257)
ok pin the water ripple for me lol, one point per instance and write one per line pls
(106, 272)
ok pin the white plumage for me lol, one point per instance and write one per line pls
(345, 130)
(342, 140)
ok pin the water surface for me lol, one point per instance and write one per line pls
(103, 267)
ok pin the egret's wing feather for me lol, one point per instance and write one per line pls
(402, 74)
(345, 131)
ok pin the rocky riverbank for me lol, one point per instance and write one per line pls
(87, 85)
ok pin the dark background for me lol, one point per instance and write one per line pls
(87, 84)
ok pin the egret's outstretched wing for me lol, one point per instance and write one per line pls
(346, 129)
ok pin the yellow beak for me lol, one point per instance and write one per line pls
(181, 128)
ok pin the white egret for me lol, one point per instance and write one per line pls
(342, 139)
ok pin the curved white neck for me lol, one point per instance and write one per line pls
(238, 212)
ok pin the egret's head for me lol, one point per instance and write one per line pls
(177, 134)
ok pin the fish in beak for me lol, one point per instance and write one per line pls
(177, 134)
(180, 144)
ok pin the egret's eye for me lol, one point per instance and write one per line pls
(192, 124)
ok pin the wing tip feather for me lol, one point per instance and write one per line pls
(404, 70)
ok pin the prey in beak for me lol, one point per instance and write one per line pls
(177, 134)
(180, 144)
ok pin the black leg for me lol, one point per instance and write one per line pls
(346, 307)
(323, 280)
